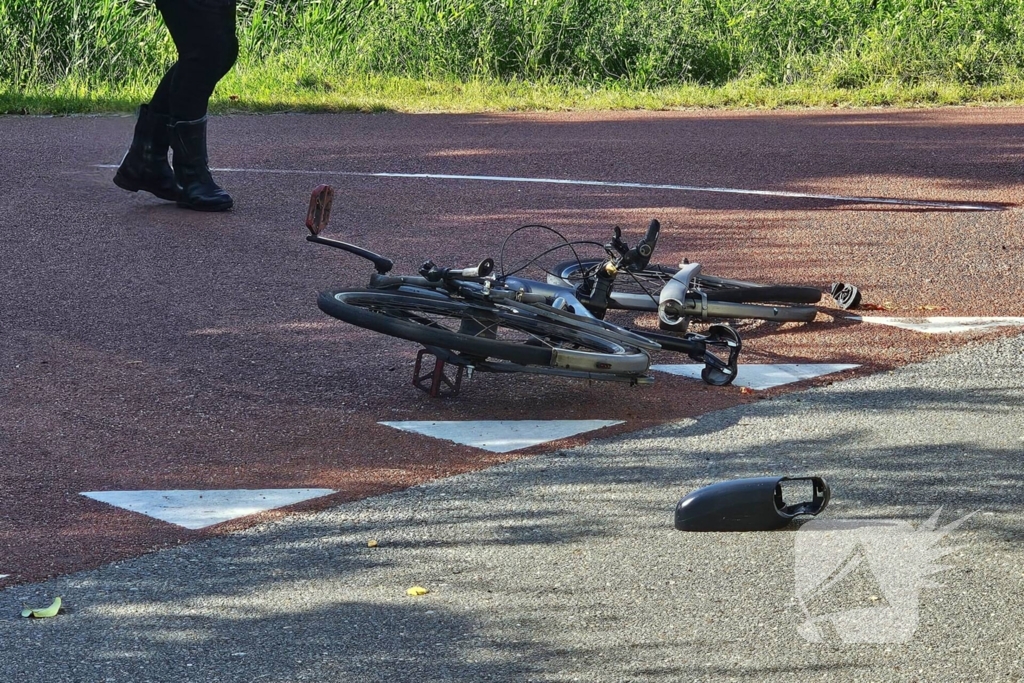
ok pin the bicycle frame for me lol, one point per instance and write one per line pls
(563, 297)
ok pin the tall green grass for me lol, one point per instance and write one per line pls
(117, 49)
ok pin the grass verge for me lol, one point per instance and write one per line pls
(65, 56)
(277, 91)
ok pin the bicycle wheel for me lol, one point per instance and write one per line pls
(651, 279)
(483, 331)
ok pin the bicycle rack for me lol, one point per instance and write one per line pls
(437, 377)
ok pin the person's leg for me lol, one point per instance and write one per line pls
(161, 101)
(204, 33)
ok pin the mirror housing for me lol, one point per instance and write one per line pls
(747, 505)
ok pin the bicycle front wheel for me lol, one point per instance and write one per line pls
(481, 331)
(712, 297)
(650, 280)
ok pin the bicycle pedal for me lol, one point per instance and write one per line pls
(319, 213)
(435, 381)
(846, 295)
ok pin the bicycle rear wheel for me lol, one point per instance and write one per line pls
(483, 331)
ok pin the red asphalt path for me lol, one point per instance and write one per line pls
(147, 347)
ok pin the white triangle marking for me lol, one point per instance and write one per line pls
(758, 376)
(941, 324)
(501, 436)
(197, 509)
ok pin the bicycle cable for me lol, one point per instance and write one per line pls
(641, 286)
(528, 263)
(566, 243)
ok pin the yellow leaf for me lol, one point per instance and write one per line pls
(372, 543)
(417, 590)
(43, 612)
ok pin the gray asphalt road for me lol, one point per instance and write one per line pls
(566, 567)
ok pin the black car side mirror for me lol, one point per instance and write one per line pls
(747, 505)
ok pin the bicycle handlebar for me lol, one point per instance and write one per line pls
(434, 274)
(381, 264)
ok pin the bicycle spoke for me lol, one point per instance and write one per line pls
(483, 324)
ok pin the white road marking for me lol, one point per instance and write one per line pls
(501, 436)
(942, 324)
(197, 509)
(602, 183)
(4, 576)
(758, 376)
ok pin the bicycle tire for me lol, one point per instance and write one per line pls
(652, 278)
(767, 294)
(722, 298)
(483, 331)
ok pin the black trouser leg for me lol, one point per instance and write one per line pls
(161, 101)
(204, 34)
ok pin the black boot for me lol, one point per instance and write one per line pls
(192, 170)
(145, 165)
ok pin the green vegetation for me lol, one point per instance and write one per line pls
(101, 55)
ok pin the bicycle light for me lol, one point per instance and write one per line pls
(747, 505)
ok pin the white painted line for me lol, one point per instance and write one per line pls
(758, 376)
(502, 436)
(197, 509)
(941, 324)
(4, 576)
(603, 183)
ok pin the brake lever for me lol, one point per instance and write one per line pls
(617, 244)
